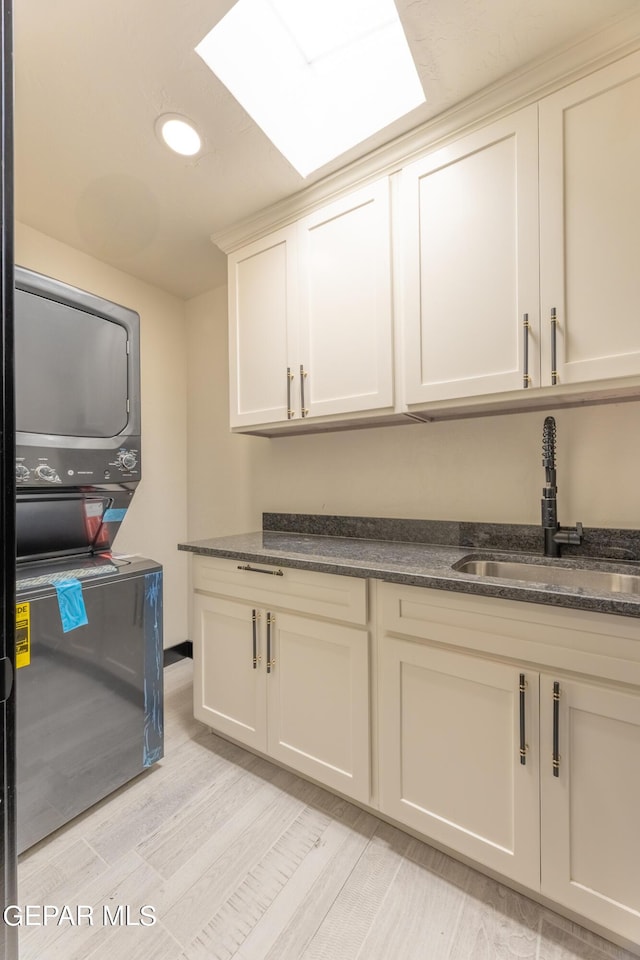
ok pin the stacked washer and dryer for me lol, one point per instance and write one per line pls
(88, 622)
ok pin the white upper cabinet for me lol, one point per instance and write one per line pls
(469, 233)
(310, 315)
(263, 299)
(345, 322)
(515, 267)
(590, 225)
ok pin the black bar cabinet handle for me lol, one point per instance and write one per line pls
(554, 345)
(523, 745)
(526, 380)
(254, 619)
(247, 566)
(303, 409)
(270, 662)
(289, 379)
(556, 724)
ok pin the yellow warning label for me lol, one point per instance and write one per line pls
(23, 634)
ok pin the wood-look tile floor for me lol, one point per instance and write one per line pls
(240, 859)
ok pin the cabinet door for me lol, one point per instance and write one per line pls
(590, 225)
(450, 754)
(469, 228)
(262, 317)
(590, 831)
(318, 702)
(228, 687)
(346, 328)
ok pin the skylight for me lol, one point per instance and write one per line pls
(318, 76)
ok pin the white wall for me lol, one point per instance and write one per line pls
(487, 468)
(221, 465)
(157, 518)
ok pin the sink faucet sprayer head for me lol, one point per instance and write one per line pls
(554, 534)
(549, 449)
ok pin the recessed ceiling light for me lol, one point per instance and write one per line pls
(318, 76)
(179, 134)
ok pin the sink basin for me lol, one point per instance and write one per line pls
(596, 580)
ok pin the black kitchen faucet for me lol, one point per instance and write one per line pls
(554, 534)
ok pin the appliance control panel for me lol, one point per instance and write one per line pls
(50, 467)
(127, 459)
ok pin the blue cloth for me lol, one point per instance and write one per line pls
(114, 515)
(153, 746)
(73, 612)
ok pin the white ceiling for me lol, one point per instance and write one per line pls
(93, 75)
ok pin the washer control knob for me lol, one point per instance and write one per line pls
(45, 472)
(22, 472)
(128, 460)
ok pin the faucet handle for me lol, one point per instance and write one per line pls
(575, 534)
(572, 535)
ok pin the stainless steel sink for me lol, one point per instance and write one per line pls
(592, 579)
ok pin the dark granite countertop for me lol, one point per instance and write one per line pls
(366, 548)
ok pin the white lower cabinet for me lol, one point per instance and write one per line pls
(507, 732)
(318, 701)
(450, 754)
(450, 768)
(469, 689)
(230, 694)
(591, 808)
(292, 686)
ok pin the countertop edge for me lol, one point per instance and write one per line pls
(449, 581)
